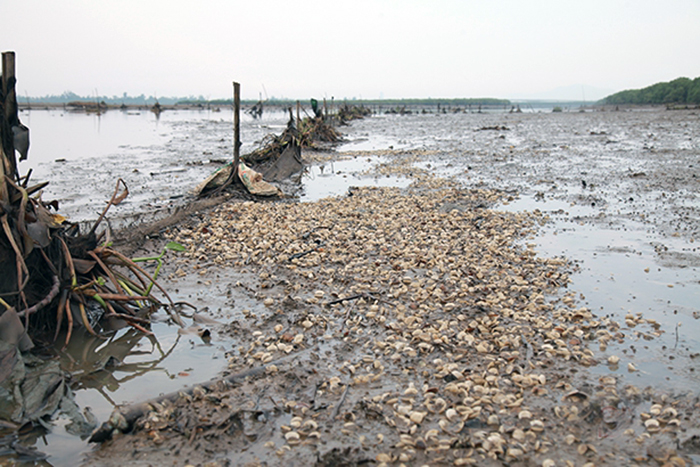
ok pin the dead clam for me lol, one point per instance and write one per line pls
(652, 425)
(292, 437)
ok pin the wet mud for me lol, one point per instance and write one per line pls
(491, 289)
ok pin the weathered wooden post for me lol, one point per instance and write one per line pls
(7, 119)
(298, 118)
(8, 85)
(236, 126)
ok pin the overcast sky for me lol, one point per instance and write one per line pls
(349, 48)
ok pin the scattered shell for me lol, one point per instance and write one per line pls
(417, 417)
(536, 425)
(452, 414)
(652, 425)
(295, 422)
(309, 425)
(668, 412)
(676, 461)
(613, 359)
(518, 435)
(383, 457)
(514, 453)
(292, 437)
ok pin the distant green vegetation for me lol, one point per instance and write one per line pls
(678, 91)
(433, 101)
(69, 96)
(385, 102)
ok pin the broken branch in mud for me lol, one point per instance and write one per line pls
(367, 296)
(123, 419)
(346, 299)
(114, 200)
(306, 235)
(336, 410)
(304, 253)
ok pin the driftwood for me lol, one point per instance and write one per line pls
(336, 411)
(123, 419)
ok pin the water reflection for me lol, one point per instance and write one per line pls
(618, 273)
(94, 362)
(161, 159)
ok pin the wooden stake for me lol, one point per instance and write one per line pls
(298, 110)
(8, 72)
(233, 175)
(236, 126)
(9, 117)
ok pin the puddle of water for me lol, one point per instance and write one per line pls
(619, 274)
(144, 367)
(334, 178)
(160, 159)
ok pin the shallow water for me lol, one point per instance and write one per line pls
(630, 229)
(619, 273)
(334, 178)
(161, 159)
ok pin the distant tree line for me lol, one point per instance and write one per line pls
(434, 101)
(354, 101)
(678, 91)
(69, 96)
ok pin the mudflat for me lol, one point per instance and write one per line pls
(492, 289)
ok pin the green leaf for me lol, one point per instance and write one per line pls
(175, 246)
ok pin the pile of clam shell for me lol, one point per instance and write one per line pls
(449, 340)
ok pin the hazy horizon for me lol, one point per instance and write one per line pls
(368, 49)
(573, 93)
